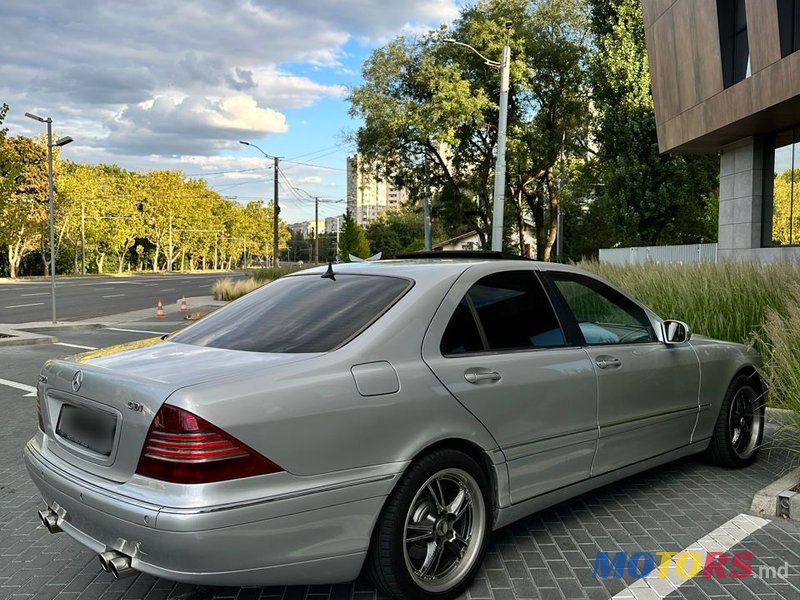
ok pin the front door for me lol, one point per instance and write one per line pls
(497, 345)
(648, 391)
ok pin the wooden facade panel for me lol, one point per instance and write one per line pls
(693, 111)
(685, 58)
(705, 40)
(665, 81)
(762, 34)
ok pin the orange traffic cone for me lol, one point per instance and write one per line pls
(184, 306)
(160, 310)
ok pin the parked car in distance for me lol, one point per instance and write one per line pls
(382, 416)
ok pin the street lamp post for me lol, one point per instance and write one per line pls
(276, 208)
(500, 162)
(50, 145)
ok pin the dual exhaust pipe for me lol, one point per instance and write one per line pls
(49, 520)
(116, 563)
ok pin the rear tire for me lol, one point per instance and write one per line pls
(739, 430)
(431, 536)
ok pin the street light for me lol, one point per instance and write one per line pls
(50, 145)
(500, 165)
(276, 208)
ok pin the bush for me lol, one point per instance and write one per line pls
(272, 273)
(227, 289)
(727, 301)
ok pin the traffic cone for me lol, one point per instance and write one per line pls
(184, 306)
(160, 310)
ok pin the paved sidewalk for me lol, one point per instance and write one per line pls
(548, 555)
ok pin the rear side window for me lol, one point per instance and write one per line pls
(503, 311)
(303, 313)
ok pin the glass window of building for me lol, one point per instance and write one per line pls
(782, 226)
(734, 48)
(789, 26)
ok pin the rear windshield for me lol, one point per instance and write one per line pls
(304, 313)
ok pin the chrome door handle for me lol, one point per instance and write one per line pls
(608, 362)
(481, 376)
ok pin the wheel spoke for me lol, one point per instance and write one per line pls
(432, 560)
(460, 502)
(424, 532)
(435, 490)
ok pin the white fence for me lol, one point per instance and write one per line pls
(689, 253)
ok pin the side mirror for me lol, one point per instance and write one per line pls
(676, 332)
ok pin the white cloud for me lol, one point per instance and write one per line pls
(315, 179)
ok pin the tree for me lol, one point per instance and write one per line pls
(24, 199)
(352, 239)
(430, 111)
(647, 198)
(396, 232)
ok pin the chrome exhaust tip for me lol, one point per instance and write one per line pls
(49, 520)
(104, 557)
(116, 563)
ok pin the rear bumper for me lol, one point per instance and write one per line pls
(320, 537)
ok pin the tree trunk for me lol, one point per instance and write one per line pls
(553, 225)
(13, 261)
(99, 260)
(520, 222)
(120, 263)
(155, 258)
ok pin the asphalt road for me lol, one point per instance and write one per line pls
(94, 297)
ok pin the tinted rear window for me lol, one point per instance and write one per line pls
(298, 314)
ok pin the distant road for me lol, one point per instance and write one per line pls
(93, 297)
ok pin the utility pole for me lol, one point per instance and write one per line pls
(500, 164)
(276, 210)
(316, 229)
(83, 240)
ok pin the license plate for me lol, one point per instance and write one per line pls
(92, 429)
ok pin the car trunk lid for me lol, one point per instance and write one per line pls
(97, 407)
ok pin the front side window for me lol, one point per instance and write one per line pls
(304, 313)
(503, 311)
(604, 315)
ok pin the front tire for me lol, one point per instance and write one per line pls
(739, 430)
(432, 534)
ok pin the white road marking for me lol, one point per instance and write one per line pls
(722, 539)
(24, 305)
(76, 346)
(36, 294)
(114, 296)
(167, 290)
(138, 330)
(20, 386)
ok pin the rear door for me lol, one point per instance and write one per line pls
(648, 391)
(497, 345)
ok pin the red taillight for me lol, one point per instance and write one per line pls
(183, 448)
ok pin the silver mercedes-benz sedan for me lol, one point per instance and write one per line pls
(380, 416)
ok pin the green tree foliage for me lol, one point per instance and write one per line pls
(398, 231)
(646, 198)
(430, 110)
(24, 198)
(352, 239)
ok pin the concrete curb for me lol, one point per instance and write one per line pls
(23, 338)
(778, 499)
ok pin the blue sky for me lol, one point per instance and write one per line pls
(156, 85)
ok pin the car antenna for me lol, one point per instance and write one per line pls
(329, 274)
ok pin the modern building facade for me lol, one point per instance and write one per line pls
(726, 78)
(368, 197)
